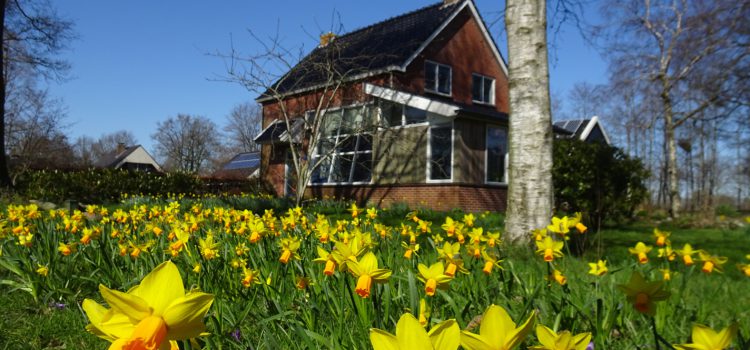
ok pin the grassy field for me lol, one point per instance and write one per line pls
(43, 312)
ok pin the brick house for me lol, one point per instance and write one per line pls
(434, 84)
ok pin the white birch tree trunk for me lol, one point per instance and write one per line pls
(530, 195)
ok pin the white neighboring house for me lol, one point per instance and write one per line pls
(129, 158)
(586, 130)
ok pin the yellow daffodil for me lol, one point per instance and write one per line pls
(598, 268)
(325, 257)
(559, 226)
(667, 253)
(642, 294)
(468, 220)
(450, 253)
(450, 226)
(302, 282)
(687, 253)
(424, 312)
(477, 235)
(641, 251)
(705, 338)
(490, 261)
(433, 277)
(539, 234)
(411, 336)
(577, 222)
(42, 270)
(558, 277)
(549, 248)
(150, 315)
(666, 274)
(66, 249)
(367, 272)
(497, 331)
(493, 238)
(551, 340)
(208, 248)
(409, 249)
(354, 210)
(712, 262)
(372, 213)
(745, 268)
(250, 277)
(289, 247)
(662, 237)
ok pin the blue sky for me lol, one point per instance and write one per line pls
(139, 62)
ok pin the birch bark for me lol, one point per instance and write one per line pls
(530, 195)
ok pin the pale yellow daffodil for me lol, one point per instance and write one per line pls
(433, 277)
(411, 336)
(497, 331)
(705, 338)
(563, 341)
(151, 314)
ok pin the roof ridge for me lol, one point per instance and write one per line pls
(397, 17)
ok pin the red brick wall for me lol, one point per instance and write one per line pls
(462, 46)
(471, 198)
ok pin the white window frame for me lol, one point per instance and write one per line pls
(334, 154)
(434, 89)
(428, 171)
(491, 102)
(403, 118)
(487, 156)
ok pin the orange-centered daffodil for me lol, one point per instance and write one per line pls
(150, 315)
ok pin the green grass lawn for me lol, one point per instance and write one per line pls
(281, 323)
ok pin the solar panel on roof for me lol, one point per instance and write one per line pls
(246, 157)
(246, 164)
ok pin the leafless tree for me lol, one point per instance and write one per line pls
(186, 143)
(310, 144)
(243, 124)
(33, 37)
(530, 195)
(689, 54)
(88, 150)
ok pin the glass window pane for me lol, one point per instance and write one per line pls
(352, 120)
(487, 90)
(331, 122)
(390, 113)
(476, 88)
(440, 153)
(444, 79)
(363, 168)
(342, 168)
(430, 69)
(320, 174)
(365, 143)
(347, 144)
(415, 115)
(497, 143)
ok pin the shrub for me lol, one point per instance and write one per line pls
(597, 179)
(94, 186)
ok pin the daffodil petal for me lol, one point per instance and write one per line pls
(496, 325)
(94, 311)
(382, 340)
(471, 341)
(445, 336)
(161, 286)
(117, 325)
(410, 334)
(582, 340)
(128, 304)
(546, 336)
(517, 336)
(184, 317)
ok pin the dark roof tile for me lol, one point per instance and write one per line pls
(376, 47)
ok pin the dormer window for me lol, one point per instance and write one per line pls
(437, 78)
(482, 89)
